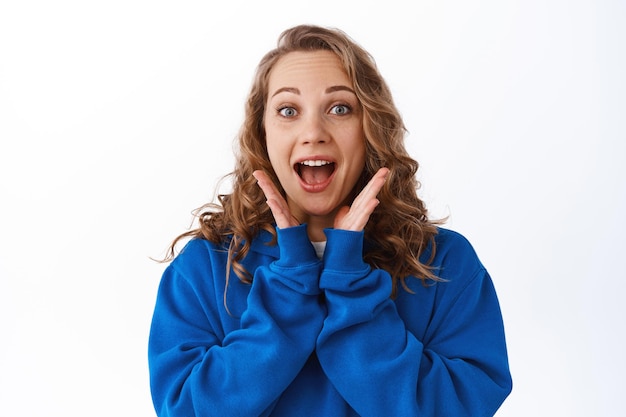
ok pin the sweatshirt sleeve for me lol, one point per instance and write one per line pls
(380, 368)
(195, 373)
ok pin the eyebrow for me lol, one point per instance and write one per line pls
(328, 90)
(340, 88)
(286, 89)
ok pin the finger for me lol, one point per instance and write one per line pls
(370, 191)
(357, 216)
(275, 201)
(267, 186)
(348, 218)
(374, 186)
(281, 214)
(340, 217)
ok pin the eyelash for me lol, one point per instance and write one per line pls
(281, 111)
(348, 110)
(347, 107)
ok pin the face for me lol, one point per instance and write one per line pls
(314, 134)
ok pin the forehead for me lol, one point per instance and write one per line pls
(303, 67)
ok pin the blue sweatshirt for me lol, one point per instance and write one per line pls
(313, 337)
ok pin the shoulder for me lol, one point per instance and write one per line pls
(462, 280)
(454, 256)
(196, 250)
(196, 261)
(463, 277)
(200, 257)
(448, 240)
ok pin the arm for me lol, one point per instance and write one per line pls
(194, 373)
(380, 368)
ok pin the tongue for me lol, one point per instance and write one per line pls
(315, 175)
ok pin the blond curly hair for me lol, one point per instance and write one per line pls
(398, 231)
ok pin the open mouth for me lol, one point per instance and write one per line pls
(315, 172)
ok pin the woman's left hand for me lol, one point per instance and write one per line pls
(355, 217)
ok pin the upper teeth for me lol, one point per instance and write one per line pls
(316, 163)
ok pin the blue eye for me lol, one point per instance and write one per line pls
(340, 109)
(287, 111)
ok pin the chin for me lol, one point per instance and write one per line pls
(319, 210)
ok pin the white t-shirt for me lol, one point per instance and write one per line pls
(319, 248)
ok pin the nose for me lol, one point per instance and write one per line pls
(314, 130)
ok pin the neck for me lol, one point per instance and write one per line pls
(315, 228)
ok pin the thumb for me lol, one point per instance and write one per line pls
(341, 214)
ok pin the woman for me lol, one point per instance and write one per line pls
(319, 287)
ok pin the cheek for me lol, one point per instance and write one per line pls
(273, 156)
(358, 147)
(271, 143)
(278, 154)
(359, 159)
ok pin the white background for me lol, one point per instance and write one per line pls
(117, 120)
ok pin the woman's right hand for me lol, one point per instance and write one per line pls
(275, 201)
